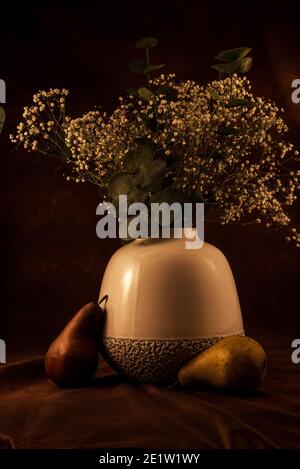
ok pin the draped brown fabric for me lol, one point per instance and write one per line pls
(113, 413)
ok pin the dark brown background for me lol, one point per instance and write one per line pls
(51, 260)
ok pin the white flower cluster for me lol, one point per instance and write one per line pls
(42, 129)
(98, 144)
(228, 145)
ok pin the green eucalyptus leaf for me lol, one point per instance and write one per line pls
(146, 43)
(153, 68)
(132, 92)
(169, 196)
(231, 55)
(121, 183)
(138, 196)
(137, 66)
(235, 102)
(140, 154)
(169, 92)
(238, 66)
(145, 93)
(2, 118)
(215, 95)
(153, 173)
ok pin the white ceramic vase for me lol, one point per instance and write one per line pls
(165, 305)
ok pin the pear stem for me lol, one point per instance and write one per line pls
(104, 298)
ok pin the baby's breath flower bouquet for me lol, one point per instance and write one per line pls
(178, 141)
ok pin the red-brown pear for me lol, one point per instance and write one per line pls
(72, 358)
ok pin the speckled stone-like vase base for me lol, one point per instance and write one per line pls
(152, 360)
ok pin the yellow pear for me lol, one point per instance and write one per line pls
(236, 363)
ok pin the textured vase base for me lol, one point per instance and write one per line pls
(152, 361)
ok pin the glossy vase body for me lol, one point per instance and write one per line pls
(165, 305)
